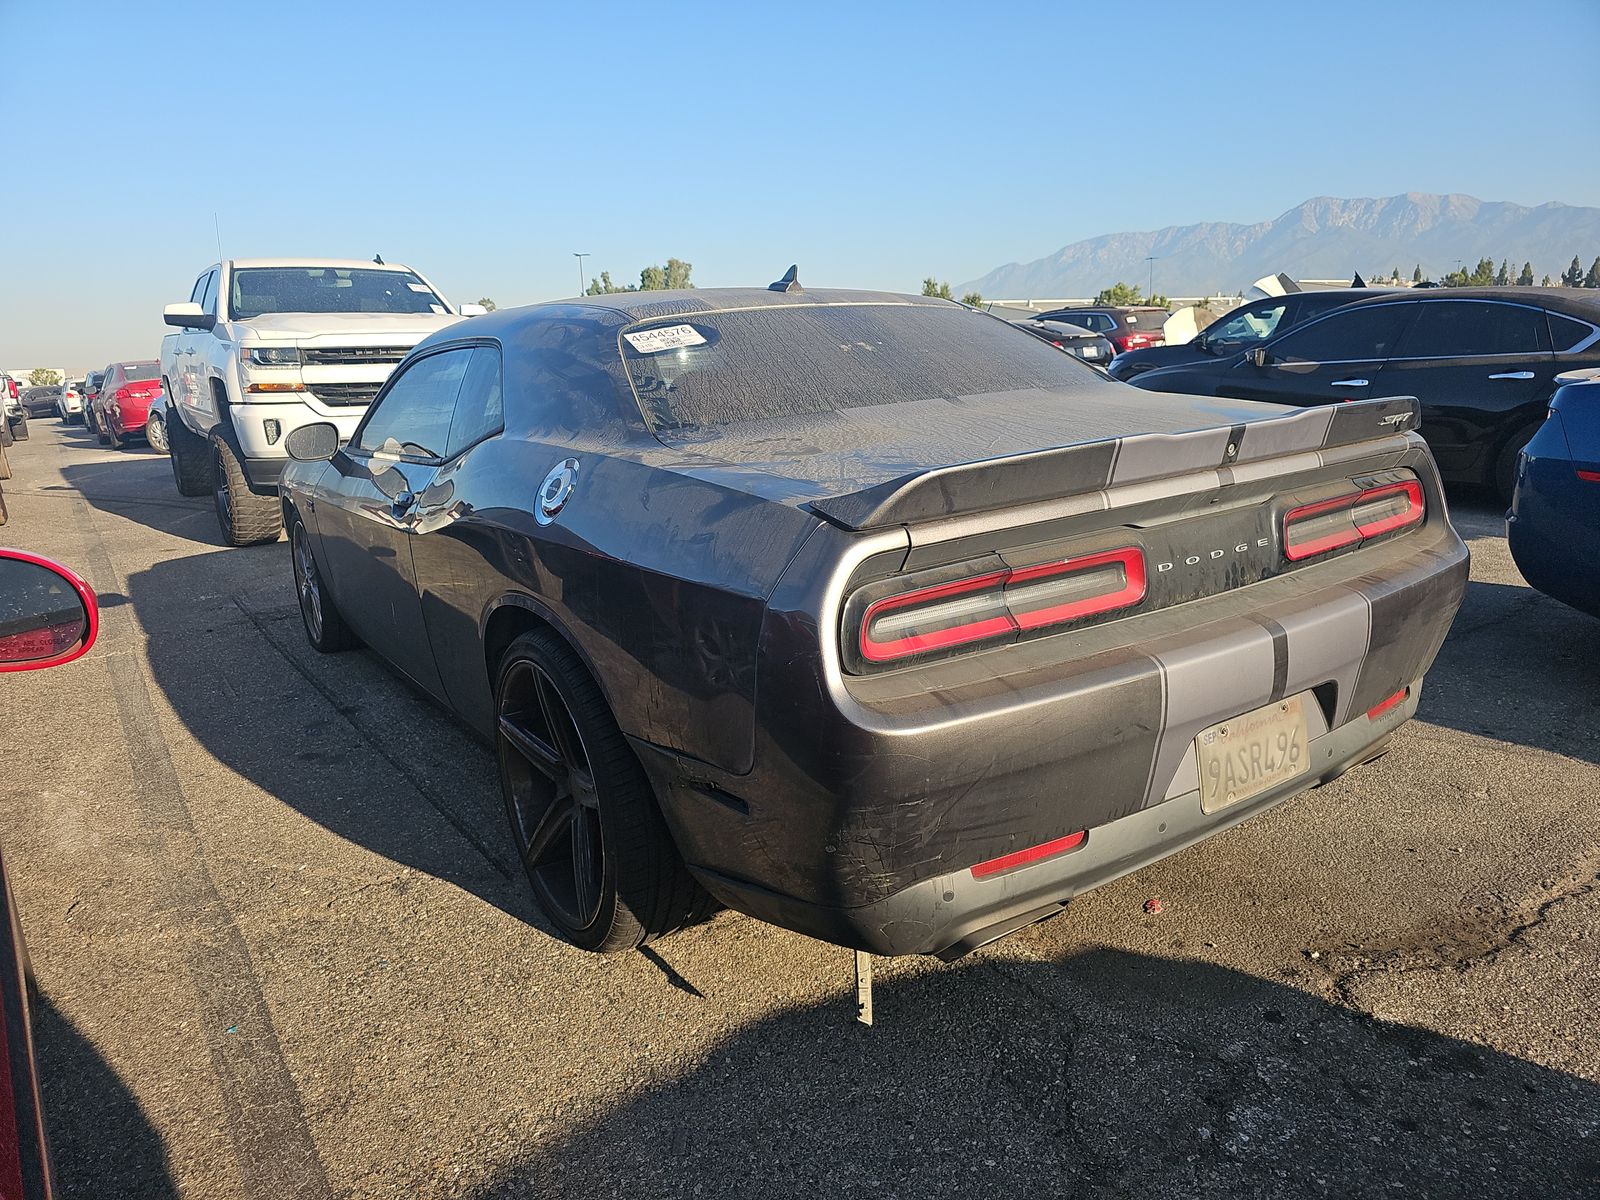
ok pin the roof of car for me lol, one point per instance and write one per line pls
(341, 264)
(641, 306)
(1584, 300)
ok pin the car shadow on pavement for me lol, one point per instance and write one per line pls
(137, 486)
(1107, 1074)
(1519, 667)
(100, 1139)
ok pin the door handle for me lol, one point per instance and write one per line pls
(1513, 375)
(1348, 383)
(402, 504)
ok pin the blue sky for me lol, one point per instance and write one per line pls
(872, 144)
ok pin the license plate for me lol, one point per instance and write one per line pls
(1245, 756)
(1091, 351)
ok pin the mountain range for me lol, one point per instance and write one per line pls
(1324, 238)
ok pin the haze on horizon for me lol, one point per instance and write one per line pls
(872, 146)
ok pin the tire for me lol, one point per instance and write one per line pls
(1505, 463)
(246, 518)
(5, 464)
(325, 627)
(113, 439)
(602, 865)
(155, 432)
(191, 460)
(100, 434)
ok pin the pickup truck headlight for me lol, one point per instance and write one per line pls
(274, 356)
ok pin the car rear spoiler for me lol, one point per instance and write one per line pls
(1094, 466)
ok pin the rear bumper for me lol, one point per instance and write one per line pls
(952, 914)
(1553, 530)
(870, 799)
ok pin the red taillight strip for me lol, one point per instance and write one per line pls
(1021, 858)
(1356, 532)
(941, 639)
(1589, 476)
(1131, 592)
(1383, 706)
(1130, 558)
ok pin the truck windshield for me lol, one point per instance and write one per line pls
(258, 290)
(791, 360)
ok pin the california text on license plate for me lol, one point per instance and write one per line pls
(1245, 756)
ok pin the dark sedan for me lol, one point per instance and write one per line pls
(1126, 328)
(1482, 361)
(41, 401)
(1248, 325)
(865, 614)
(1077, 341)
(1554, 524)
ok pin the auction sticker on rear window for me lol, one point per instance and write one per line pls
(672, 337)
(1251, 753)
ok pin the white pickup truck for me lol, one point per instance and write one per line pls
(266, 345)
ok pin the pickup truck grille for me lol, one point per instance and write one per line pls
(346, 355)
(345, 394)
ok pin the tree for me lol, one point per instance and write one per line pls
(1120, 294)
(1416, 273)
(488, 304)
(932, 287)
(1547, 282)
(43, 377)
(1526, 278)
(974, 299)
(1502, 277)
(678, 274)
(604, 287)
(1394, 275)
(1592, 279)
(1573, 275)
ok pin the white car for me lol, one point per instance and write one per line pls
(266, 345)
(69, 405)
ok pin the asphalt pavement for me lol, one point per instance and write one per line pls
(284, 950)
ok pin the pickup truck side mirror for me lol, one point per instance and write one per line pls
(188, 316)
(473, 310)
(50, 616)
(1257, 356)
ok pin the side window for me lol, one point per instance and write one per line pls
(478, 405)
(209, 296)
(1081, 319)
(1361, 335)
(1566, 333)
(199, 289)
(412, 418)
(1469, 328)
(1257, 325)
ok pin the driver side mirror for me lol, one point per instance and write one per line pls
(1258, 357)
(188, 315)
(48, 616)
(317, 442)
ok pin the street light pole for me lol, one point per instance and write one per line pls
(1151, 293)
(581, 284)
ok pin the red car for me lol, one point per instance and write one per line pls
(48, 616)
(120, 409)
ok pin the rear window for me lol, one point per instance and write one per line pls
(134, 372)
(720, 368)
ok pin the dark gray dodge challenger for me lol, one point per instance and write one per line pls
(867, 615)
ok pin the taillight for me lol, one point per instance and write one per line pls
(1137, 341)
(999, 604)
(1589, 476)
(124, 394)
(1314, 529)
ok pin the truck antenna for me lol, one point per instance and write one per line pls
(217, 225)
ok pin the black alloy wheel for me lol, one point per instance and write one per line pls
(596, 850)
(325, 627)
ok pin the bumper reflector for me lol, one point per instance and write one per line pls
(1033, 854)
(1383, 706)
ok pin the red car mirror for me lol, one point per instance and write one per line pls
(48, 616)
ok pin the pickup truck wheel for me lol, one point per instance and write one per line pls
(191, 460)
(5, 464)
(246, 518)
(325, 627)
(596, 849)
